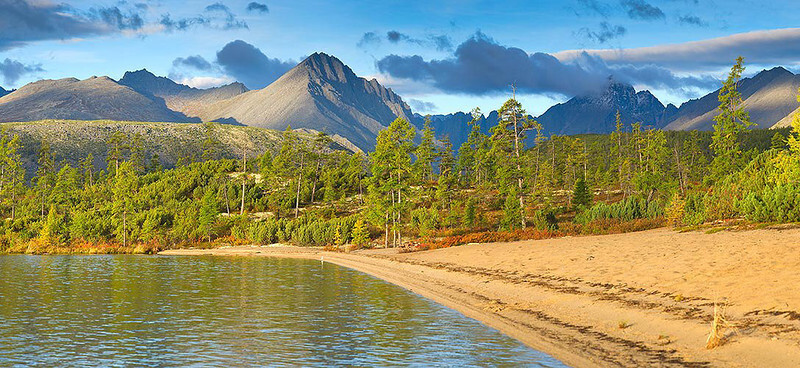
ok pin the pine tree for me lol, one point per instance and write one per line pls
(425, 154)
(469, 213)
(211, 145)
(45, 175)
(778, 141)
(508, 143)
(208, 213)
(12, 174)
(447, 178)
(731, 121)
(391, 174)
(360, 233)
(87, 168)
(512, 212)
(126, 184)
(789, 160)
(116, 148)
(471, 154)
(53, 227)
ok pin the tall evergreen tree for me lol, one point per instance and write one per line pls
(425, 154)
(508, 143)
(126, 185)
(731, 121)
(391, 174)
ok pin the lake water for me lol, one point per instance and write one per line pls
(229, 311)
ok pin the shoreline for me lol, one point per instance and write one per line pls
(587, 301)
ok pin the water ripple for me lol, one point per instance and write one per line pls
(206, 311)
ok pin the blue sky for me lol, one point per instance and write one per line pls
(441, 56)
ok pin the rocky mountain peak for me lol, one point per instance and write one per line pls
(144, 81)
(326, 67)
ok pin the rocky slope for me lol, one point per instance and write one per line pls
(596, 113)
(179, 97)
(72, 140)
(769, 97)
(90, 99)
(320, 93)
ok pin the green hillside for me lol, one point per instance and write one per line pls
(73, 140)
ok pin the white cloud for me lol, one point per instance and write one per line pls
(205, 82)
(768, 47)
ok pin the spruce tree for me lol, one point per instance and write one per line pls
(581, 195)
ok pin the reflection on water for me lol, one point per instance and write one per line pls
(219, 311)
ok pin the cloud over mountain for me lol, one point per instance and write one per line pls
(195, 61)
(247, 64)
(481, 66)
(770, 47)
(12, 70)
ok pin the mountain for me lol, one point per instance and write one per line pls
(320, 93)
(769, 97)
(179, 97)
(455, 126)
(596, 113)
(3, 92)
(787, 120)
(95, 98)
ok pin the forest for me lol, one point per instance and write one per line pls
(413, 191)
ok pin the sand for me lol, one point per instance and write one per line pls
(631, 300)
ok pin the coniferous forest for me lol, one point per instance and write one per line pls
(412, 190)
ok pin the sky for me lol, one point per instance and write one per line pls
(440, 56)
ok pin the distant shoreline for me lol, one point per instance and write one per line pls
(636, 299)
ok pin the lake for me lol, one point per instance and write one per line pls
(230, 311)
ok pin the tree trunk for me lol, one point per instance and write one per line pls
(297, 195)
(314, 186)
(13, 200)
(399, 235)
(386, 231)
(227, 201)
(241, 209)
(244, 181)
(124, 228)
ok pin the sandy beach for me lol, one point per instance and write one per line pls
(631, 300)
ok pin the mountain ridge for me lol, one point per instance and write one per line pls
(176, 96)
(320, 93)
(94, 98)
(769, 96)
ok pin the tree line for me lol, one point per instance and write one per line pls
(411, 186)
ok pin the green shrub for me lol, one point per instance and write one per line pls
(545, 219)
(780, 203)
(628, 209)
(694, 209)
